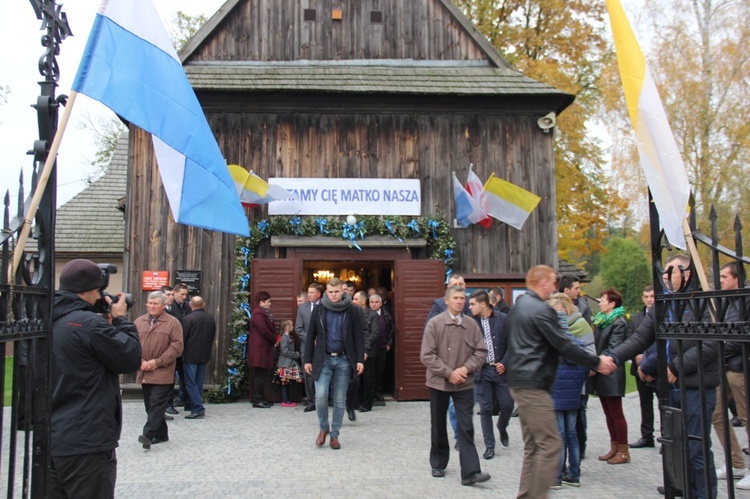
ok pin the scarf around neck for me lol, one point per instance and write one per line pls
(603, 320)
(346, 300)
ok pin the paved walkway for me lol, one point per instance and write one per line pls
(239, 451)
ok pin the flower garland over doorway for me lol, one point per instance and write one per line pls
(435, 230)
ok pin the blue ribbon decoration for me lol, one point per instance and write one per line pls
(295, 222)
(232, 371)
(245, 307)
(322, 225)
(448, 275)
(350, 233)
(389, 226)
(448, 256)
(360, 226)
(262, 226)
(433, 224)
(413, 225)
(242, 339)
(245, 279)
(245, 251)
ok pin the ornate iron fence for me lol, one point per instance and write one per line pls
(27, 293)
(703, 317)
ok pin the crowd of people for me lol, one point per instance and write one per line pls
(544, 356)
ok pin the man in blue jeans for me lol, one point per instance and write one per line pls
(198, 333)
(334, 349)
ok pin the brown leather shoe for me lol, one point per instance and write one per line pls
(321, 440)
(335, 445)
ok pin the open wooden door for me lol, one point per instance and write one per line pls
(416, 283)
(282, 279)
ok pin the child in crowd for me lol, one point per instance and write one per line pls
(288, 370)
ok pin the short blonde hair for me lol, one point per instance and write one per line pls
(563, 300)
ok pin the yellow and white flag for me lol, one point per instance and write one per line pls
(660, 157)
(508, 202)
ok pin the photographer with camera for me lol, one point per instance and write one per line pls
(89, 350)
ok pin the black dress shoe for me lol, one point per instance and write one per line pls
(167, 417)
(736, 422)
(261, 405)
(504, 437)
(643, 442)
(171, 410)
(145, 441)
(309, 408)
(365, 409)
(477, 477)
(489, 453)
(195, 416)
(157, 440)
(438, 473)
(662, 491)
(352, 414)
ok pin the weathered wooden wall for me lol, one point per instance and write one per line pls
(274, 30)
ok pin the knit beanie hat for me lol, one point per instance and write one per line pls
(80, 275)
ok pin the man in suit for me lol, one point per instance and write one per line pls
(490, 379)
(334, 349)
(304, 311)
(380, 346)
(198, 333)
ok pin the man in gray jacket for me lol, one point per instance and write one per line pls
(453, 349)
(535, 342)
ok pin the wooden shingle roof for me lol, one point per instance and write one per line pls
(90, 222)
(365, 77)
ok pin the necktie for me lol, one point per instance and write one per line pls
(488, 341)
(455, 320)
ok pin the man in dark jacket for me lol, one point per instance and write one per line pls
(335, 349)
(88, 354)
(490, 382)
(646, 390)
(535, 342)
(687, 366)
(198, 333)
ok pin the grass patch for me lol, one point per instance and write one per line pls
(629, 379)
(8, 381)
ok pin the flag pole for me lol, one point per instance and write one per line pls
(41, 185)
(695, 257)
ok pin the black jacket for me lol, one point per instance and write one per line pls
(687, 368)
(535, 342)
(198, 333)
(354, 341)
(88, 353)
(499, 338)
(635, 321)
(607, 338)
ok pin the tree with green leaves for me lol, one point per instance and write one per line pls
(624, 266)
(563, 43)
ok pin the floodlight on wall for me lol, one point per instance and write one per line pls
(546, 122)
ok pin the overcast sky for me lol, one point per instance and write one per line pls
(20, 38)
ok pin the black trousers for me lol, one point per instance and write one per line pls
(156, 398)
(646, 394)
(259, 384)
(374, 368)
(86, 475)
(440, 447)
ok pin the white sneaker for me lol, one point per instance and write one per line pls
(744, 484)
(721, 474)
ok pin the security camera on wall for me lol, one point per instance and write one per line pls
(546, 122)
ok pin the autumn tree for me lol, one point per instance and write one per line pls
(699, 59)
(563, 43)
(625, 268)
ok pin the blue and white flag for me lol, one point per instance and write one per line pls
(468, 210)
(130, 66)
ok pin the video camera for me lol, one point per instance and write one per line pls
(101, 304)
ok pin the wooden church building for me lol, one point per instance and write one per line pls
(330, 91)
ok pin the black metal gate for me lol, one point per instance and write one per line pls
(27, 292)
(709, 316)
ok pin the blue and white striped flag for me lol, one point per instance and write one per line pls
(130, 66)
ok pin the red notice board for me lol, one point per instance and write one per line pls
(153, 280)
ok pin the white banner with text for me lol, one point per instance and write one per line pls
(349, 196)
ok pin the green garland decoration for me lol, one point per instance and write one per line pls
(436, 230)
